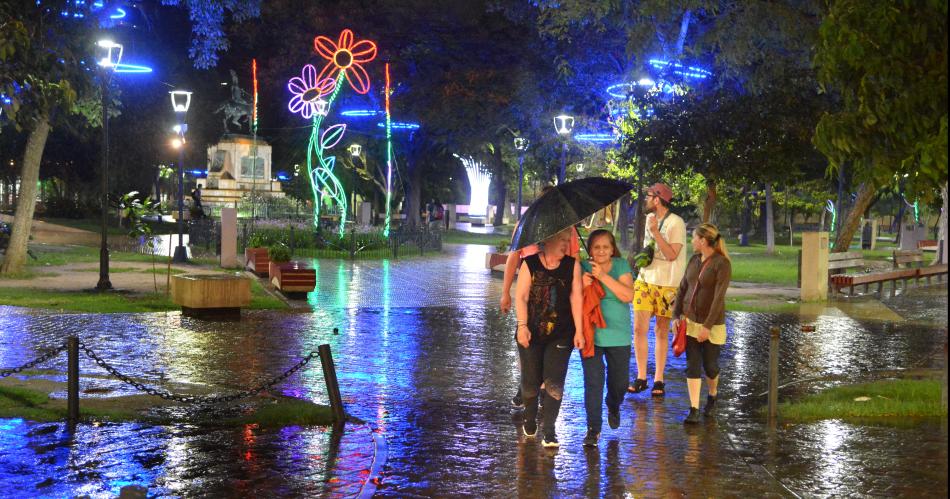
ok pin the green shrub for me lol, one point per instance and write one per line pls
(278, 253)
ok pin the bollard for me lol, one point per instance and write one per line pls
(773, 371)
(72, 379)
(333, 387)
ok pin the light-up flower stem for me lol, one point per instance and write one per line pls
(322, 180)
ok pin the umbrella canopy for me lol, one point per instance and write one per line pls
(564, 206)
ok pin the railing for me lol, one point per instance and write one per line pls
(72, 347)
(305, 242)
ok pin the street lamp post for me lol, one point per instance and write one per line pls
(110, 55)
(521, 144)
(563, 124)
(181, 100)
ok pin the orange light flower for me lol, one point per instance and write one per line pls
(347, 56)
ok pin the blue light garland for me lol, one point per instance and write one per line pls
(681, 69)
(400, 125)
(361, 113)
(599, 137)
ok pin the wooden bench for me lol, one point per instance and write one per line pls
(211, 296)
(842, 281)
(917, 260)
(841, 263)
(293, 277)
(257, 260)
(927, 245)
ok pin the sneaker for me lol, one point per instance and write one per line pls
(710, 405)
(517, 402)
(590, 440)
(693, 416)
(530, 428)
(550, 441)
(613, 418)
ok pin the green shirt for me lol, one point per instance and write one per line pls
(616, 313)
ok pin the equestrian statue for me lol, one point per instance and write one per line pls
(236, 109)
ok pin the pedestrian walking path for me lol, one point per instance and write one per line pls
(427, 363)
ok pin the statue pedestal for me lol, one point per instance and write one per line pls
(238, 165)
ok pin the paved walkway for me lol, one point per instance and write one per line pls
(426, 360)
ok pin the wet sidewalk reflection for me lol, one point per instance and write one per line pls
(425, 358)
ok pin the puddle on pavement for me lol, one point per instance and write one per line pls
(434, 374)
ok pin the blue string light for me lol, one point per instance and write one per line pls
(595, 137)
(681, 69)
(400, 125)
(361, 113)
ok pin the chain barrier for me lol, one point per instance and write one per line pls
(35, 362)
(193, 399)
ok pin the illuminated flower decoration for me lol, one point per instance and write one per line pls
(347, 56)
(308, 91)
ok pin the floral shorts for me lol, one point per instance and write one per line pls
(658, 300)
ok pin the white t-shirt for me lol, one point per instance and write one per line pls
(663, 272)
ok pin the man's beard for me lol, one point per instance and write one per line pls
(651, 209)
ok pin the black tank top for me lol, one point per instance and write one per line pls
(549, 301)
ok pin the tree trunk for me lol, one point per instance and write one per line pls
(622, 220)
(942, 240)
(710, 202)
(500, 186)
(413, 201)
(849, 226)
(746, 217)
(15, 256)
(769, 221)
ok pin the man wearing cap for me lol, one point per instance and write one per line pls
(656, 285)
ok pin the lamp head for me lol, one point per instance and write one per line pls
(355, 150)
(181, 100)
(521, 143)
(564, 124)
(108, 53)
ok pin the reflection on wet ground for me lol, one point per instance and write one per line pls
(425, 358)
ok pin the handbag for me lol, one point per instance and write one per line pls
(679, 338)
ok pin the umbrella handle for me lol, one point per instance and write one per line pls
(577, 229)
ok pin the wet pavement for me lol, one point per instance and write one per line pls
(427, 365)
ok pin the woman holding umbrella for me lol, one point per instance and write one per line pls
(548, 305)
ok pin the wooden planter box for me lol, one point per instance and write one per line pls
(256, 260)
(496, 261)
(211, 296)
(293, 277)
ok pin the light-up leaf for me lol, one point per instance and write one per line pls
(332, 136)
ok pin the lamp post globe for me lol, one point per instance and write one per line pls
(563, 124)
(181, 101)
(521, 145)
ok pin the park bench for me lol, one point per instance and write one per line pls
(927, 245)
(257, 260)
(293, 277)
(916, 259)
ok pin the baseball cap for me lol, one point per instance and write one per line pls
(661, 191)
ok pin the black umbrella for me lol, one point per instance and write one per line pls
(564, 206)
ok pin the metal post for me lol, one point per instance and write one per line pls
(104, 282)
(773, 371)
(333, 387)
(352, 243)
(72, 378)
(181, 254)
(561, 175)
(520, 181)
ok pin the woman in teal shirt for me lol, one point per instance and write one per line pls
(612, 342)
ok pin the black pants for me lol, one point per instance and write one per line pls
(544, 363)
(618, 373)
(701, 357)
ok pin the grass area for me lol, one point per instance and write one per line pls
(753, 264)
(454, 236)
(89, 301)
(92, 225)
(27, 274)
(772, 305)
(35, 405)
(62, 255)
(890, 398)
